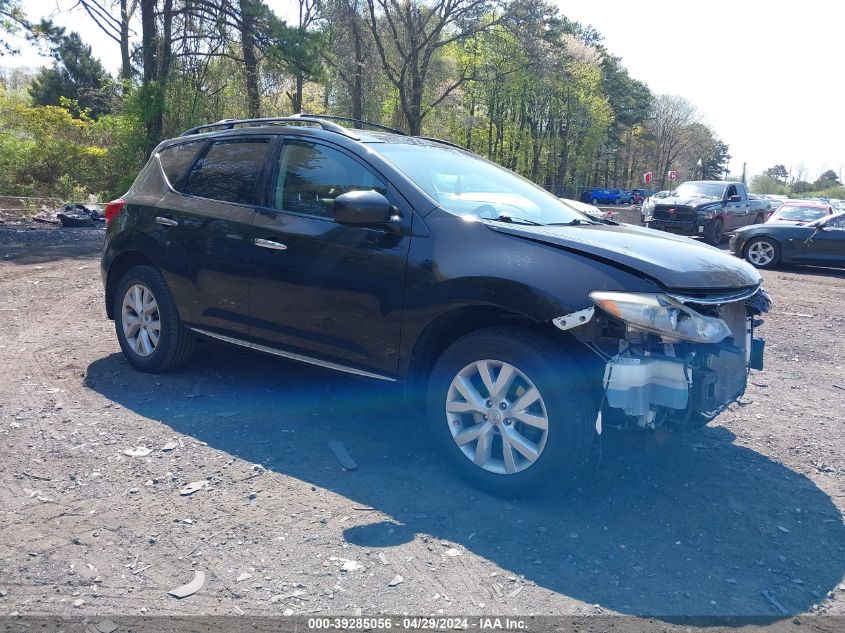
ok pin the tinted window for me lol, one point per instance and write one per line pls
(176, 160)
(229, 171)
(311, 176)
(836, 222)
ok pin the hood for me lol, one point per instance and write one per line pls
(696, 201)
(676, 263)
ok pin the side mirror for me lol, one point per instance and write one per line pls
(735, 199)
(362, 208)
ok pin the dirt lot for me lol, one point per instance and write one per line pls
(698, 524)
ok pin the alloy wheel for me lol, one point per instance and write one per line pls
(141, 320)
(761, 253)
(497, 416)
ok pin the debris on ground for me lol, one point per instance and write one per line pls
(397, 580)
(343, 456)
(768, 595)
(193, 487)
(78, 216)
(191, 588)
(138, 451)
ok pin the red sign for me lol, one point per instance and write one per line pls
(647, 177)
(673, 175)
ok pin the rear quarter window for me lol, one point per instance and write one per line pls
(229, 171)
(177, 160)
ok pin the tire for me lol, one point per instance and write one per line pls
(565, 401)
(174, 345)
(594, 201)
(759, 219)
(618, 201)
(715, 232)
(762, 252)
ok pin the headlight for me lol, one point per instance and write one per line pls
(708, 214)
(661, 315)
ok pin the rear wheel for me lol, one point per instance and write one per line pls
(510, 410)
(762, 252)
(759, 219)
(147, 322)
(715, 232)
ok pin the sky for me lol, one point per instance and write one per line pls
(766, 76)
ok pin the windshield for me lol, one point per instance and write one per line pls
(699, 190)
(797, 213)
(463, 183)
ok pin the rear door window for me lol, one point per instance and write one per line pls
(176, 160)
(310, 176)
(230, 171)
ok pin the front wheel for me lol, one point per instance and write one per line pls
(715, 232)
(510, 410)
(594, 201)
(147, 322)
(762, 252)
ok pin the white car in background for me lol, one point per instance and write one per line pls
(648, 205)
(589, 209)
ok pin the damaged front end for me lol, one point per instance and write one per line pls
(669, 359)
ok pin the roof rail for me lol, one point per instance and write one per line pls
(440, 140)
(228, 124)
(357, 122)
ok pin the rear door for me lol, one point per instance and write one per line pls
(323, 290)
(208, 225)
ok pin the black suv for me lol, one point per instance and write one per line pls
(523, 326)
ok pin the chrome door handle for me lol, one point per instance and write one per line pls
(166, 221)
(269, 244)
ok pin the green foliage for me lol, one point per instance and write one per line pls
(76, 74)
(767, 184)
(48, 151)
(778, 173)
(827, 180)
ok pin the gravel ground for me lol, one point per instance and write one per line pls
(698, 524)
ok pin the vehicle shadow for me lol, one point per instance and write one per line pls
(665, 526)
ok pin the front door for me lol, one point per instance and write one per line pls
(737, 213)
(827, 247)
(321, 289)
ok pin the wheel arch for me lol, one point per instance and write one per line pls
(452, 325)
(118, 267)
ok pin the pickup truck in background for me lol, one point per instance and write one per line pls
(707, 208)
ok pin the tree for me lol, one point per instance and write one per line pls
(827, 180)
(715, 163)
(671, 118)
(349, 50)
(766, 184)
(76, 75)
(12, 20)
(249, 12)
(778, 173)
(410, 35)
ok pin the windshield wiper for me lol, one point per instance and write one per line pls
(517, 220)
(574, 222)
